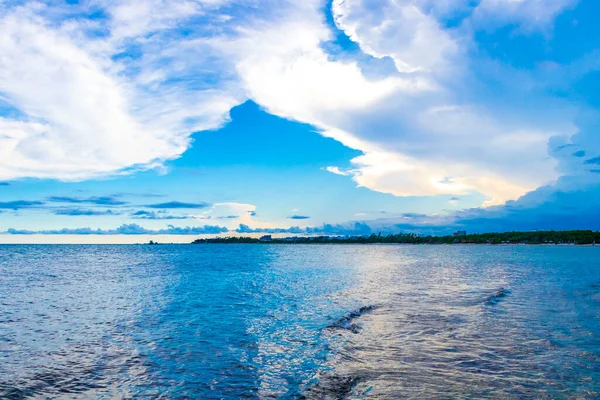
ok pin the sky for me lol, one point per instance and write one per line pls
(123, 121)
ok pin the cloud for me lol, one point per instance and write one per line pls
(4, 184)
(178, 205)
(228, 217)
(134, 229)
(338, 171)
(432, 113)
(403, 176)
(243, 228)
(427, 122)
(100, 201)
(126, 229)
(95, 97)
(82, 212)
(18, 204)
(299, 217)
(156, 216)
(400, 30)
(147, 195)
(231, 214)
(350, 229)
(528, 14)
(564, 205)
(593, 161)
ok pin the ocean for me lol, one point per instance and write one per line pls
(299, 321)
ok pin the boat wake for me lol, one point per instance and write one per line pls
(496, 297)
(347, 321)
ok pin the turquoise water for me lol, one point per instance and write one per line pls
(277, 321)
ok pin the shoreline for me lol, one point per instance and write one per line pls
(397, 244)
(540, 238)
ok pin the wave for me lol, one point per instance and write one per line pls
(496, 297)
(346, 322)
(332, 387)
(82, 373)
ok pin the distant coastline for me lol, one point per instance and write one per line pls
(575, 238)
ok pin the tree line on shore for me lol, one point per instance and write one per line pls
(578, 237)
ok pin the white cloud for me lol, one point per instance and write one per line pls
(95, 104)
(403, 176)
(284, 68)
(531, 14)
(398, 29)
(417, 128)
(84, 114)
(224, 212)
(337, 171)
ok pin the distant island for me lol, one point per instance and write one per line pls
(461, 237)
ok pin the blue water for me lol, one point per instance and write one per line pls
(277, 321)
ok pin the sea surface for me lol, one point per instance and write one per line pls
(299, 321)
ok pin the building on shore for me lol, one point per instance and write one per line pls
(266, 238)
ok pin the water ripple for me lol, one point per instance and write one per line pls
(312, 322)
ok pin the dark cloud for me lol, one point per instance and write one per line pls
(579, 154)
(547, 208)
(156, 216)
(299, 217)
(454, 199)
(413, 215)
(4, 184)
(99, 201)
(565, 146)
(246, 229)
(178, 204)
(18, 204)
(252, 213)
(134, 229)
(351, 229)
(74, 212)
(127, 229)
(228, 217)
(147, 195)
(594, 161)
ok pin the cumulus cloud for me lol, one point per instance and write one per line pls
(123, 92)
(554, 207)
(126, 229)
(243, 228)
(142, 214)
(87, 105)
(397, 29)
(77, 212)
(349, 229)
(424, 130)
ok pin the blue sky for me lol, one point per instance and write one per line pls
(194, 117)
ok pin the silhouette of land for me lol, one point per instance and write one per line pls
(578, 237)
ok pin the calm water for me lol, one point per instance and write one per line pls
(251, 321)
